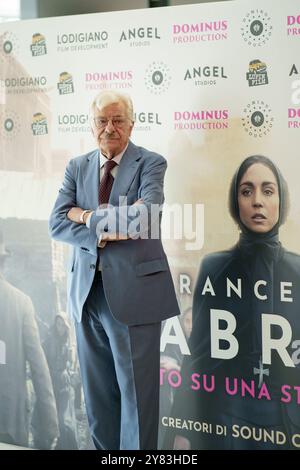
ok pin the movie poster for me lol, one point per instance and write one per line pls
(212, 84)
(237, 386)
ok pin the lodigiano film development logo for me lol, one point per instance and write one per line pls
(9, 45)
(257, 74)
(65, 83)
(82, 41)
(39, 124)
(38, 45)
(73, 123)
(157, 77)
(10, 125)
(256, 27)
(257, 118)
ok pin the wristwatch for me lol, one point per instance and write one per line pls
(81, 218)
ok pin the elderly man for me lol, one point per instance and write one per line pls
(120, 285)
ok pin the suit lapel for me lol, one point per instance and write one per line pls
(92, 179)
(126, 172)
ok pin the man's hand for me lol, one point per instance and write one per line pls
(139, 201)
(113, 237)
(74, 214)
(78, 215)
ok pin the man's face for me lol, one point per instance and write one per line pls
(111, 128)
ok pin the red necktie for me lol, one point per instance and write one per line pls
(106, 182)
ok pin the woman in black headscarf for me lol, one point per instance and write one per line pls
(253, 284)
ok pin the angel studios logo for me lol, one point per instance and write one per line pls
(65, 83)
(257, 119)
(294, 108)
(38, 45)
(157, 77)
(256, 28)
(257, 74)
(10, 125)
(39, 124)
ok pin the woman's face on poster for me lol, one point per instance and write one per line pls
(258, 198)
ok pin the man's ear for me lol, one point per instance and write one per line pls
(132, 125)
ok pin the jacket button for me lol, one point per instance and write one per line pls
(92, 266)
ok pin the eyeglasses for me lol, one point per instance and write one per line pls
(101, 123)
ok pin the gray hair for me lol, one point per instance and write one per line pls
(107, 97)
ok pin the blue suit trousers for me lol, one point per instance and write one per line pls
(120, 375)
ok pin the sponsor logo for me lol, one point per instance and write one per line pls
(146, 121)
(293, 25)
(9, 45)
(65, 83)
(257, 118)
(157, 77)
(294, 118)
(74, 42)
(205, 75)
(257, 74)
(69, 123)
(206, 31)
(137, 37)
(256, 27)
(211, 119)
(10, 124)
(118, 79)
(38, 45)
(21, 85)
(39, 124)
(294, 70)
(294, 111)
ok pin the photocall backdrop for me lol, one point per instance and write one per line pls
(211, 84)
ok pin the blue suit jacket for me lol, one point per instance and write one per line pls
(136, 276)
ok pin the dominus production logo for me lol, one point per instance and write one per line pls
(39, 124)
(65, 83)
(157, 77)
(293, 25)
(257, 74)
(10, 125)
(257, 118)
(256, 27)
(38, 45)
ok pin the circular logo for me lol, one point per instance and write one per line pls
(157, 78)
(257, 119)
(256, 27)
(7, 47)
(10, 124)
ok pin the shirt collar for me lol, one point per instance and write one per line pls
(116, 159)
